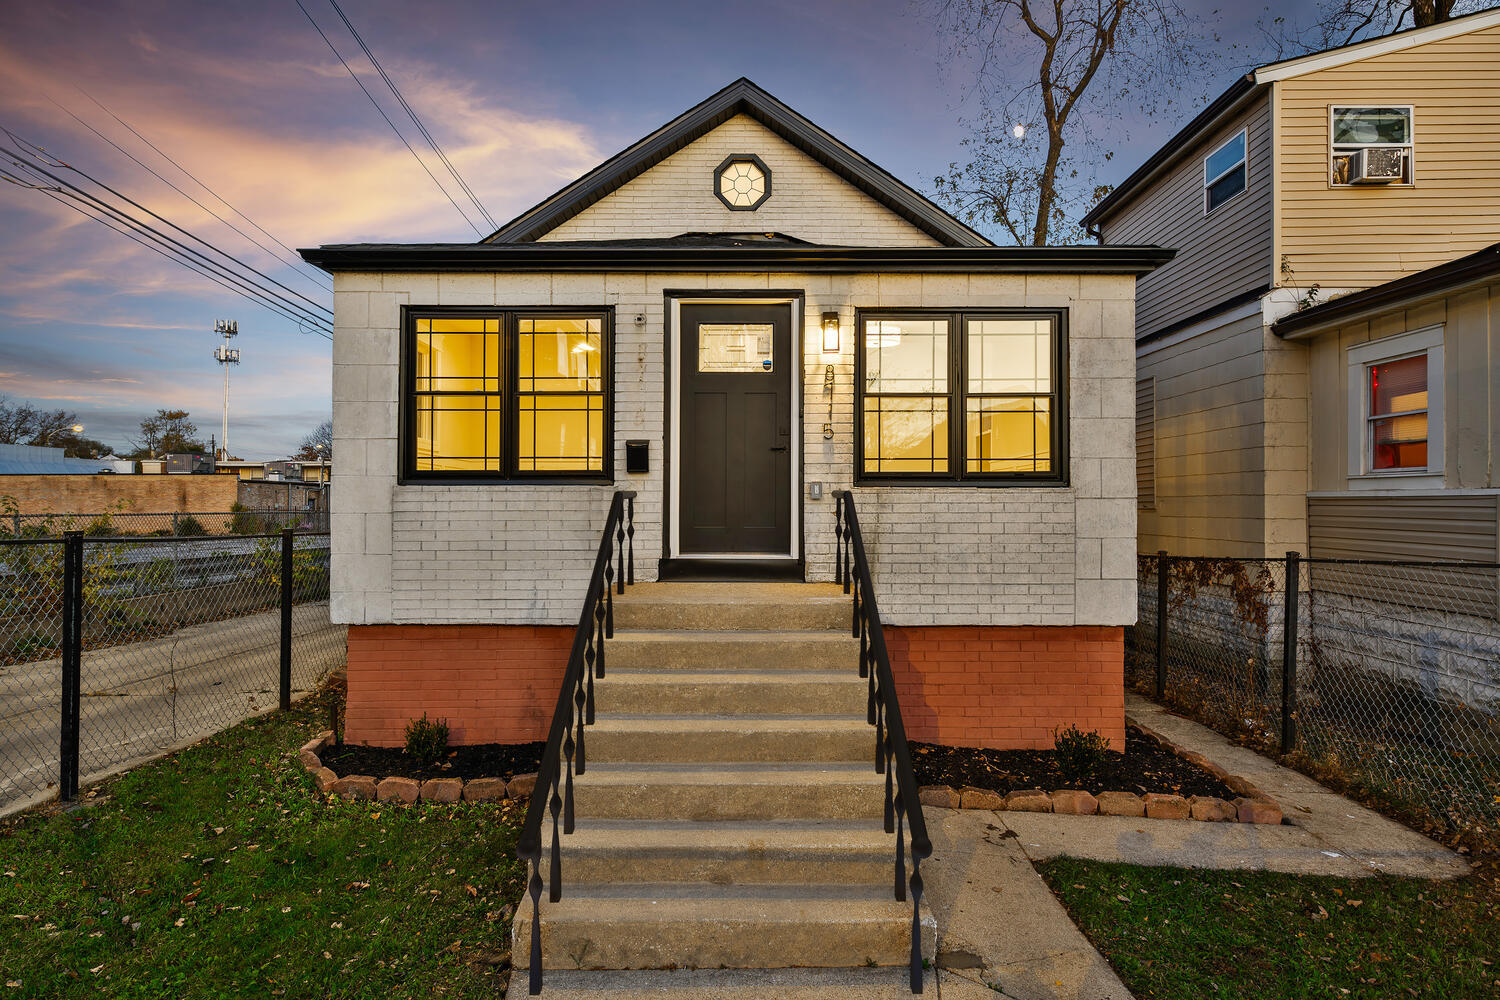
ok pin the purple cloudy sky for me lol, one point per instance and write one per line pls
(524, 96)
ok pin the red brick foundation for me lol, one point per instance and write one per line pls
(1007, 687)
(493, 683)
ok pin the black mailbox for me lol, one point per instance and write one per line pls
(637, 456)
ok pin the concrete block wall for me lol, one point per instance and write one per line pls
(519, 554)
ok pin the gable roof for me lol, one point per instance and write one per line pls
(1260, 79)
(740, 97)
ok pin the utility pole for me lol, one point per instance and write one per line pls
(226, 356)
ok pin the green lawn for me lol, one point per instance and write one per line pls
(219, 872)
(1189, 934)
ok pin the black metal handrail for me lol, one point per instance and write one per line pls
(565, 756)
(883, 708)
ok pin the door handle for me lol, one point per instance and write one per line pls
(778, 447)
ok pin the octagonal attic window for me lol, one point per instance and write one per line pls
(742, 182)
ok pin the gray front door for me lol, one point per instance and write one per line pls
(736, 430)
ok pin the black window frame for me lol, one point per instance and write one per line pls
(510, 317)
(957, 395)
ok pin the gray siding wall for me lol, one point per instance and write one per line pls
(1429, 526)
(1220, 255)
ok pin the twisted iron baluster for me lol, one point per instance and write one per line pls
(869, 671)
(848, 554)
(620, 540)
(579, 700)
(854, 622)
(630, 534)
(838, 540)
(916, 922)
(900, 850)
(609, 598)
(864, 647)
(534, 887)
(880, 735)
(554, 873)
(889, 753)
(568, 748)
(590, 668)
(599, 620)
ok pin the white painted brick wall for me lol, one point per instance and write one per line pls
(807, 199)
(520, 553)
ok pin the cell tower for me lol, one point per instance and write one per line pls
(226, 356)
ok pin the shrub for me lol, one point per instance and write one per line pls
(190, 525)
(1078, 753)
(426, 740)
(245, 522)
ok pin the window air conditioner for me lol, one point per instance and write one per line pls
(1383, 165)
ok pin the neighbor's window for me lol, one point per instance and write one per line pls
(960, 396)
(501, 394)
(1224, 172)
(1398, 414)
(1396, 405)
(1370, 145)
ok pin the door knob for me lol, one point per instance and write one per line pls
(778, 447)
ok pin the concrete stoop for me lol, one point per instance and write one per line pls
(730, 814)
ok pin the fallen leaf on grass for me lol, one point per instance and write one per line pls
(470, 889)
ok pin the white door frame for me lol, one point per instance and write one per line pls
(674, 467)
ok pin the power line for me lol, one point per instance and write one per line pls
(41, 154)
(413, 116)
(172, 246)
(388, 121)
(220, 198)
(179, 190)
(302, 324)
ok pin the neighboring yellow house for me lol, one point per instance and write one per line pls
(1276, 408)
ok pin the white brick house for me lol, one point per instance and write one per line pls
(824, 323)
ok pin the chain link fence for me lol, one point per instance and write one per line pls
(1392, 688)
(181, 524)
(177, 637)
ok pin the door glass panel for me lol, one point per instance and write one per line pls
(734, 347)
(906, 355)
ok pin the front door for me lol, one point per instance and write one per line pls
(736, 430)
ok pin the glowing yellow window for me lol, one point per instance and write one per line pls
(457, 400)
(560, 395)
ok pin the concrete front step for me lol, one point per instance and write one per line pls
(734, 606)
(807, 852)
(775, 692)
(751, 650)
(697, 926)
(656, 739)
(729, 792)
(881, 983)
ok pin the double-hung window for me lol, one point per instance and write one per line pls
(1370, 145)
(1224, 172)
(495, 394)
(1396, 405)
(962, 396)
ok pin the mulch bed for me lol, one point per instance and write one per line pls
(1145, 766)
(482, 760)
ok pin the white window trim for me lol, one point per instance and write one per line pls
(1428, 341)
(1243, 162)
(1410, 147)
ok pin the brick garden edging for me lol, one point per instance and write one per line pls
(405, 791)
(1251, 806)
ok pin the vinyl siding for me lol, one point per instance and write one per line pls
(1471, 386)
(1219, 256)
(1145, 443)
(1355, 237)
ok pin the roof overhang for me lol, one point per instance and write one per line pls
(1478, 268)
(537, 257)
(1228, 104)
(740, 97)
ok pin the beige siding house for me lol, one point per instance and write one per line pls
(1307, 183)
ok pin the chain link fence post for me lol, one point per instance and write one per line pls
(1292, 589)
(287, 538)
(72, 662)
(1163, 574)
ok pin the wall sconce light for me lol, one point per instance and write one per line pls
(830, 333)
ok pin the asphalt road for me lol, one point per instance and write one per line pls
(146, 697)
